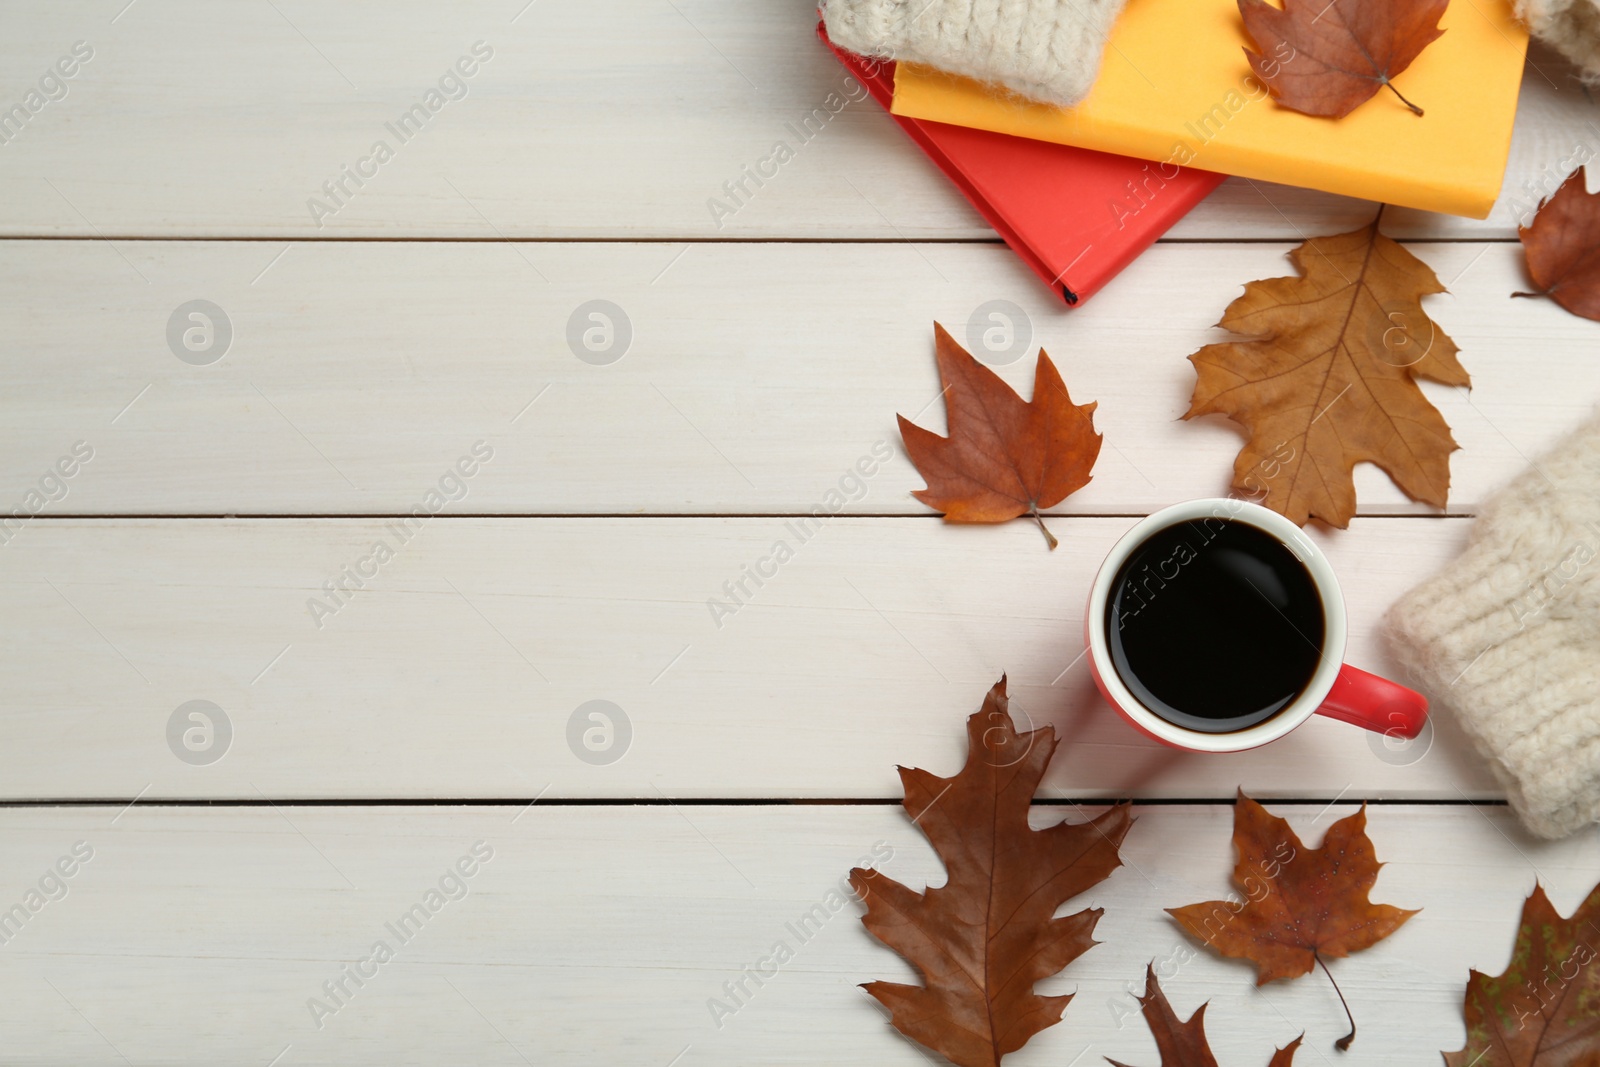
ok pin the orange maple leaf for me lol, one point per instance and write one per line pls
(1544, 1009)
(1563, 247)
(1302, 905)
(1184, 1044)
(1005, 456)
(1341, 52)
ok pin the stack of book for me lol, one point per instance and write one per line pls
(1079, 192)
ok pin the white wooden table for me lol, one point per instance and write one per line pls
(364, 753)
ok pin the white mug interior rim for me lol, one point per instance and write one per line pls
(1333, 620)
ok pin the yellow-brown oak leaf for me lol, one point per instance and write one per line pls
(1325, 377)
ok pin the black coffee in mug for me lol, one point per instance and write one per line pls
(1214, 625)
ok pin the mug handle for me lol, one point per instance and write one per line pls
(1375, 703)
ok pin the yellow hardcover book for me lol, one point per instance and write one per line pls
(1175, 88)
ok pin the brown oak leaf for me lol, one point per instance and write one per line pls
(1183, 1044)
(982, 940)
(1328, 57)
(1327, 378)
(1301, 906)
(1563, 247)
(1005, 456)
(1543, 1010)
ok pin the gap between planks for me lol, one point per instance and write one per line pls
(712, 802)
(204, 516)
(896, 241)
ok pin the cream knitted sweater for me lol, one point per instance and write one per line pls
(1508, 637)
(1044, 49)
(1050, 49)
(1571, 27)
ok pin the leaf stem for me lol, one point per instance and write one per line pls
(1048, 536)
(1343, 1044)
(1530, 296)
(1415, 109)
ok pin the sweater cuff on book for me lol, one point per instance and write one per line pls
(1042, 49)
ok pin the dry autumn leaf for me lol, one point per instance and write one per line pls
(1544, 1009)
(1331, 56)
(1563, 247)
(982, 940)
(1005, 456)
(1328, 378)
(1183, 1044)
(1302, 906)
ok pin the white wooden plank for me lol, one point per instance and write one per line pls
(756, 374)
(614, 120)
(459, 669)
(197, 936)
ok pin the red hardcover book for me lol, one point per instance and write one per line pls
(1075, 216)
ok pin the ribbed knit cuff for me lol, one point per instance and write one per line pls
(1045, 50)
(1508, 637)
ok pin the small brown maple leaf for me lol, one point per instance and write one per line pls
(1563, 247)
(982, 940)
(1543, 1010)
(1183, 1044)
(1302, 906)
(1005, 456)
(1340, 52)
(1328, 378)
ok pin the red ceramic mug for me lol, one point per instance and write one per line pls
(1335, 689)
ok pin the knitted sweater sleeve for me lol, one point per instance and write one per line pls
(1046, 50)
(1571, 27)
(1508, 637)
